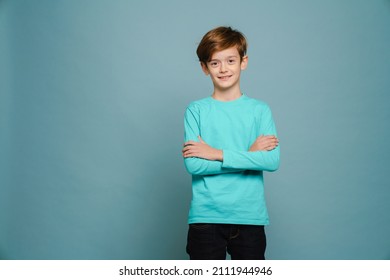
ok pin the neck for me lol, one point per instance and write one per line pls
(227, 94)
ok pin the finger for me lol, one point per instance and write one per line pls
(188, 148)
(270, 137)
(187, 154)
(264, 138)
(274, 143)
(271, 147)
(189, 143)
(266, 142)
(192, 148)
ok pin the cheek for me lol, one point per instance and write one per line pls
(214, 75)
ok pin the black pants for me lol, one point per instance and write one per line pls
(212, 241)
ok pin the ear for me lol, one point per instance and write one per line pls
(244, 62)
(204, 68)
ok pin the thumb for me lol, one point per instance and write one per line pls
(200, 139)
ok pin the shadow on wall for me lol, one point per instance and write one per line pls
(170, 206)
(171, 218)
(2, 255)
(387, 4)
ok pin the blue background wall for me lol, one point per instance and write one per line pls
(92, 101)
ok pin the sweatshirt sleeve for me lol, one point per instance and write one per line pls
(199, 166)
(259, 160)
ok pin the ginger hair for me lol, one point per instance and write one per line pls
(219, 39)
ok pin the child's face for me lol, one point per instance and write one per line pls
(225, 68)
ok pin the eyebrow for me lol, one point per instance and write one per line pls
(230, 56)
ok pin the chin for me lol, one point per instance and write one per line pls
(227, 85)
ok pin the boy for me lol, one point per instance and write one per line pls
(229, 141)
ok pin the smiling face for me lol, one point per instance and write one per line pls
(225, 68)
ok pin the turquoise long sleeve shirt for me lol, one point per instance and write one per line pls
(231, 191)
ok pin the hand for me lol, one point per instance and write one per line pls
(264, 143)
(201, 150)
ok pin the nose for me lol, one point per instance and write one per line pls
(222, 68)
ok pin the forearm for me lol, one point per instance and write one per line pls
(259, 160)
(199, 166)
(202, 159)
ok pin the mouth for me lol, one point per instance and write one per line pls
(224, 78)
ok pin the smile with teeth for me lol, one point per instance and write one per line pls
(224, 78)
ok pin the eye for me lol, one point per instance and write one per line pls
(231, 61)
(214, 63)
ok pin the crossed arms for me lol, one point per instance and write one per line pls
(203, 159)
(203, 150)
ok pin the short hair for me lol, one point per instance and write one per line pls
(218, 39)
